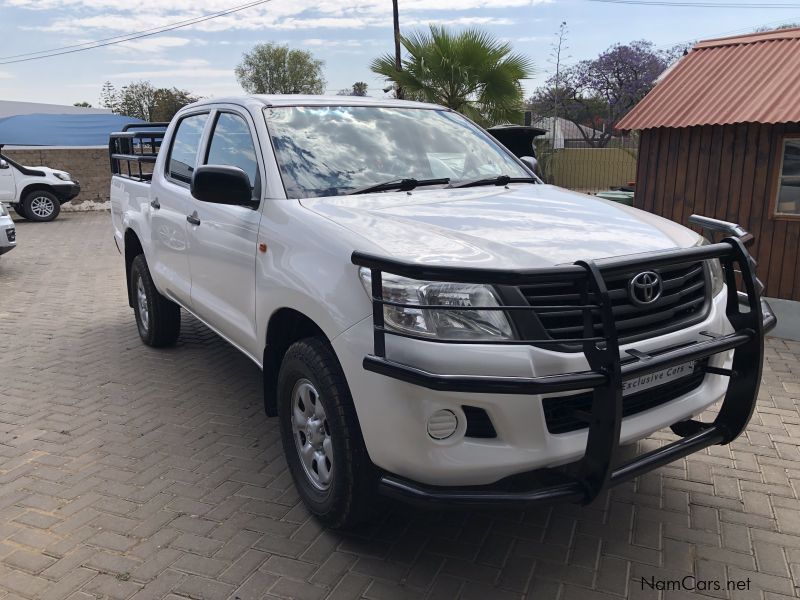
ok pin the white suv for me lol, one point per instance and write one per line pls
(8, 233)
(432, 321)
(35, 193)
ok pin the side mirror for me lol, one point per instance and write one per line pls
(530, 162)
(3, 164)
(220, 184)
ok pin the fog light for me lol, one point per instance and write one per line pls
(442, 424)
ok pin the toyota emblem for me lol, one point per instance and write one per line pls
(645, 288)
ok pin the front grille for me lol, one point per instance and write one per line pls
(683, 301)
(561, 412)
(11, 234)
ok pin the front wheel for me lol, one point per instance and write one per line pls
(321, 435)
(41, 206)
(157, 318)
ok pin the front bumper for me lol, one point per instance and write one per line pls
(66, 191)
(733, 349)
(8, 235)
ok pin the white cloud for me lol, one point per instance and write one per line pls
(162, 62)
(4, 75)
(152, 45)
(96, 15)
(322, 42)
(172, 73)
(463, 21)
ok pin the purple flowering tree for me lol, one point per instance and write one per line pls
(596, 94)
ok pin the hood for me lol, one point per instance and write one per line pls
(522, 226)
(49, 171)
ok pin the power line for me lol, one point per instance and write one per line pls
(747, 29)
(678, 3)
(126, 35)
(119, 39)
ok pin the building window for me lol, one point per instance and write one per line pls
(787, 201)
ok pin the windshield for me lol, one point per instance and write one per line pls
(333, 150)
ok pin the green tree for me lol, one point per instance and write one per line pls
(109, 96)
(359, 89)
(469, 71)
(142, 100)
(168, 101)
(83, 104)
(138, 100)
(275, 69)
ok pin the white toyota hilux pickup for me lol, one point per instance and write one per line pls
(433, 323)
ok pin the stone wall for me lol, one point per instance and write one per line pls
(88, 165)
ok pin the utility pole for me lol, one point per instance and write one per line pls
(397, 62)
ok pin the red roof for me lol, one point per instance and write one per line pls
(748, 78)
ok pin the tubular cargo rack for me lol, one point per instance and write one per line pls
(584, 480)
(136, 145)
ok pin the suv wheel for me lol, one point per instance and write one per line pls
(41, 206)
(321, 435)
(157, 318)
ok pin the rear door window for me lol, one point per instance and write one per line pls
(185, 145)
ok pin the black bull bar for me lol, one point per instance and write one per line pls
(598, 470)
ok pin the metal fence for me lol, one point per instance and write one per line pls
(578, 166)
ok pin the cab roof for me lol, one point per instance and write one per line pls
(276, 100)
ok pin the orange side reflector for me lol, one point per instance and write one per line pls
(262, 247)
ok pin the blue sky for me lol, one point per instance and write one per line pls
(346, 34)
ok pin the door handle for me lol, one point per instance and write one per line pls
(155, 204)
(193, 219)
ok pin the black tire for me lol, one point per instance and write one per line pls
(41, 206)
(350, 494)
(160, 324)
(19, 210)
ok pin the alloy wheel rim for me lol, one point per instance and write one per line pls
(141, 298)
(312, 435)
(42, 206)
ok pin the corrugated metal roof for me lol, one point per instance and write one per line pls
(13, 108)
(61, 130)
(751, 78)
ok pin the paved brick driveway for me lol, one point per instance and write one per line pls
(127, 472)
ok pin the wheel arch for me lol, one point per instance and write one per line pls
(37, 186)
(133, 248)
(285, 326)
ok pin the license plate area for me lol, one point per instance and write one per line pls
(657, 378)
(562, 412)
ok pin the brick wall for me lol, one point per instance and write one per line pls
(88, 165)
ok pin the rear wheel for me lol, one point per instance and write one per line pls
(322, 437)
(41, 206)
(157, 318)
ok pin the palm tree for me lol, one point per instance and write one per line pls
(470, 72)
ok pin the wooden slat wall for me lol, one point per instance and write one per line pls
(726, 172)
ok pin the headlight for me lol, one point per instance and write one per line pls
(715, 270)
(717, 276)
(62, 175)
(464, 324)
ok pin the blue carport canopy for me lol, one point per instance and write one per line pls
(61, 130)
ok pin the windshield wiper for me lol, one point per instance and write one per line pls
(498, 180)
(404, 185)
